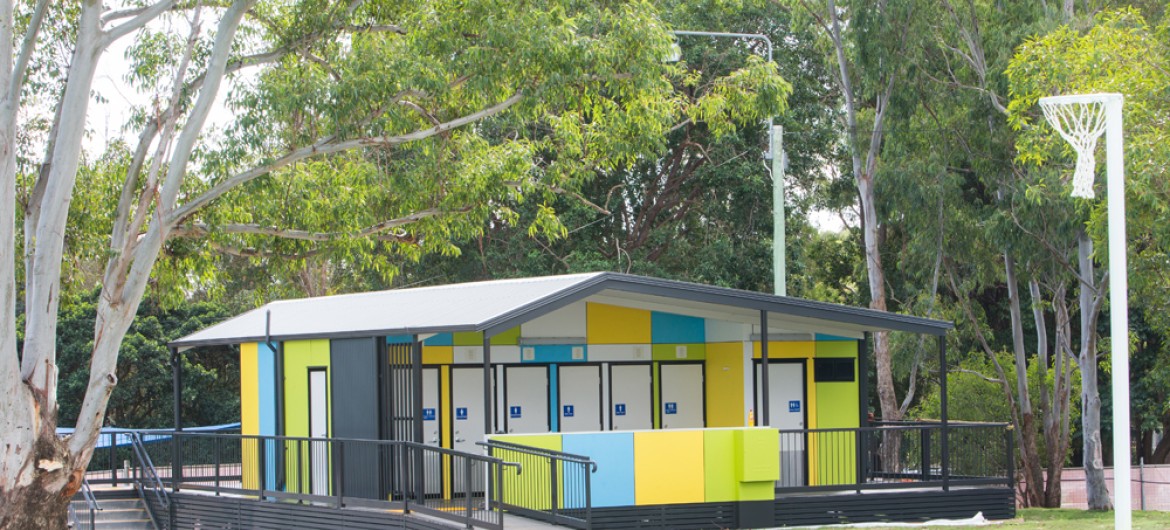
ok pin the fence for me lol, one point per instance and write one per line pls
(895, 456)
(1150, 489)
(548, 485)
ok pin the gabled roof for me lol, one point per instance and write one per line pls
(498, 305)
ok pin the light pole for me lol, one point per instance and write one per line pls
(775, 153)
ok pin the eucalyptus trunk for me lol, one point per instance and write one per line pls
(1091, 297)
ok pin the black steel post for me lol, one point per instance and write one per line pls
(177, 394)
(863, 407)
(946, 438)
(924, 442)
(765, 394)
(416, 413)
(488, 403)
(1011, 457)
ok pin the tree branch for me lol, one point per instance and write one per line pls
(140, 19)
(329, 147)
(196, 230)
(26, 50)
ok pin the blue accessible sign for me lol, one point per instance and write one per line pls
(568, 411)
(794, 406)
(461, 413)
(619, 409)
(671, 407)
(514, 411)
(429, 414)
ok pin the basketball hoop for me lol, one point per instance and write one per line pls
(1080, 120)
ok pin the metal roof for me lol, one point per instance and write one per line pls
(498, 305)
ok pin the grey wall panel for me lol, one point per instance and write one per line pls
(354, 369)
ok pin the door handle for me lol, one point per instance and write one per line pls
(458, 439)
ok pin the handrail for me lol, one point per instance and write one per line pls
(90, 502)
(568, 457)
(148, 469)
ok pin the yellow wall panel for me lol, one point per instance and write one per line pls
(249, 407)
(667, 469)
(786, 350)
(437, 354)
(724, 381)
(608, 324)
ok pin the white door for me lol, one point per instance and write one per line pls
(319, 428)
(432, 468)
(467, 425)
(630, 386)
(786, 411)
(580, 398)
(682, 395)
(526, 399)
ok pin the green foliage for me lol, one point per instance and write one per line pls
(143, 397)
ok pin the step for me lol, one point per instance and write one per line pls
(121, 514)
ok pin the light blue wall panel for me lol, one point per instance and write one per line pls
(403, 339)
(554, 353)
(441, 339)
(667, 328)
(554, 390)
(613, 484)
(266, 388)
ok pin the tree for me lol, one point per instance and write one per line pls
(1119, 53)
(573, 87)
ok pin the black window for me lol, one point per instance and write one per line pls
(833, 370)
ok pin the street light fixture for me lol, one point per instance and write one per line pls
(775, 153)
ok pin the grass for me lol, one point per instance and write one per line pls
(1067, 519)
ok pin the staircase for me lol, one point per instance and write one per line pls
(115, 514)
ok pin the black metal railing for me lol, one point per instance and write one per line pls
(896, 455)
(380, 474)
(91, 506)
(549, 485)
(147, 481)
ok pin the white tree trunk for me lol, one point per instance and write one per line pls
(1096, 491)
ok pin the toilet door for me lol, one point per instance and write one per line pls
(319, 428)
(787, 411)
(630, 387)
(526, 399)
(432, 467)
(579, 393)
(467, 425)
(682, 404)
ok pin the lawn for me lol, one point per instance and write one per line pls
(1076, 520)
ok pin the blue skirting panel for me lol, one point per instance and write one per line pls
(613, 484)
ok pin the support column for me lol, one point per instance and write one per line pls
(488, 403)
(942, 389)
(765, 394)
(863, 436)
(177, 395)
(416, 393)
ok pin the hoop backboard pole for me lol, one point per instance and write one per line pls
(1119, 311)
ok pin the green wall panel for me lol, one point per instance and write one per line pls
(669, 352)
(719, 458)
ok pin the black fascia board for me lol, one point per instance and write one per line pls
(360, 334)
(716, 295)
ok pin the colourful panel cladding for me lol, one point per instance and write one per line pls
(608, 324)
(804, 349)
(655, 393)
(445, 422)
(679, 352)
(553, 353)
(554, 390)
(667, 469)
(720, 484)
(757, 455)
(668, 328)
(530, 488)
(838, 408)
(724, 381)
(266, 389)
(441, 339)
(837, 348)
(473, 338)
(249, 409)
(437, 354)
(821, 337)
(613, 483)
(299, 356)
(400, 339)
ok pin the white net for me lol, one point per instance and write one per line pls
(1080, 124)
